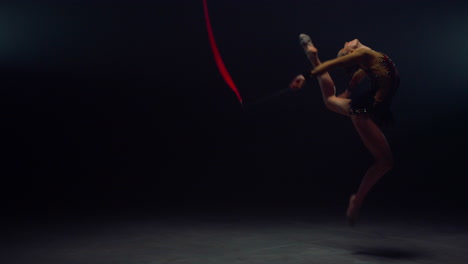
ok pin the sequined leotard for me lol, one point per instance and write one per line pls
(376, 99)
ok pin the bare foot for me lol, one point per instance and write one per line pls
(309, 48)
(352, 214)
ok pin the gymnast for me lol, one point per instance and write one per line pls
(369, 108)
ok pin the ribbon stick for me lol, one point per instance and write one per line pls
(219, 61)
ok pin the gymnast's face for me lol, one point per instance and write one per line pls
(348, 47)
(352, 44)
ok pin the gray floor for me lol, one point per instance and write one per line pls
(233, 237)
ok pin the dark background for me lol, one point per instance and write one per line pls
(119, 104)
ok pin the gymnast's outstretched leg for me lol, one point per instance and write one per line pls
(332, 102)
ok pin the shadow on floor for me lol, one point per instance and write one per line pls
(391, 253)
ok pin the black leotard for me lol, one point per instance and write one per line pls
(376, 99)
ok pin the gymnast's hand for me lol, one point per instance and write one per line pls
(297, 83)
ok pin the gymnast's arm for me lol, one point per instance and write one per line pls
(359, 56)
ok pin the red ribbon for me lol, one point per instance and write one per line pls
(217, 55)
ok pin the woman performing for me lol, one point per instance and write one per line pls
(369, 110)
